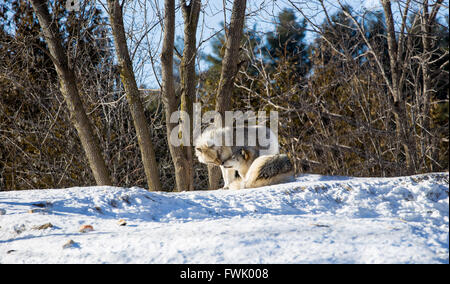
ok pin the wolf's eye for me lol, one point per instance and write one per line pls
(198, 149)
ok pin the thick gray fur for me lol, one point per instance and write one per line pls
(275, 166)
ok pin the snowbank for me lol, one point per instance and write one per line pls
(316, 219)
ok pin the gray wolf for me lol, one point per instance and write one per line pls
(257, 171)
(215, 146)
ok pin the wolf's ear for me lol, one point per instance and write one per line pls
(244, 154)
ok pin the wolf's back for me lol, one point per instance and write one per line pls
(274, 165)
(268, 170)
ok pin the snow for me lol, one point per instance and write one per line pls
(315, 219)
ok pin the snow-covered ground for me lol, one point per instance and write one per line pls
(316, 219)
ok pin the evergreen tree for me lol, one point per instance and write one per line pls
(287, 42)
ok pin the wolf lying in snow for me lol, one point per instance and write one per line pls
(259, 171)
(215, 146)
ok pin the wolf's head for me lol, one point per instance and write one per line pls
(208, 155)
(240, 160)
(205, 149)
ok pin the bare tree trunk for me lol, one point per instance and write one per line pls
(132, 92)
(427, 19)
(228, 73)
(188, 80)
(231, 56)
(168, 95)
(71, 95)
(403, 128)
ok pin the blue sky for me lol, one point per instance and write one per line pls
(263, 16)
(144, 16)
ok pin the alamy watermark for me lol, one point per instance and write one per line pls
(250, 127)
